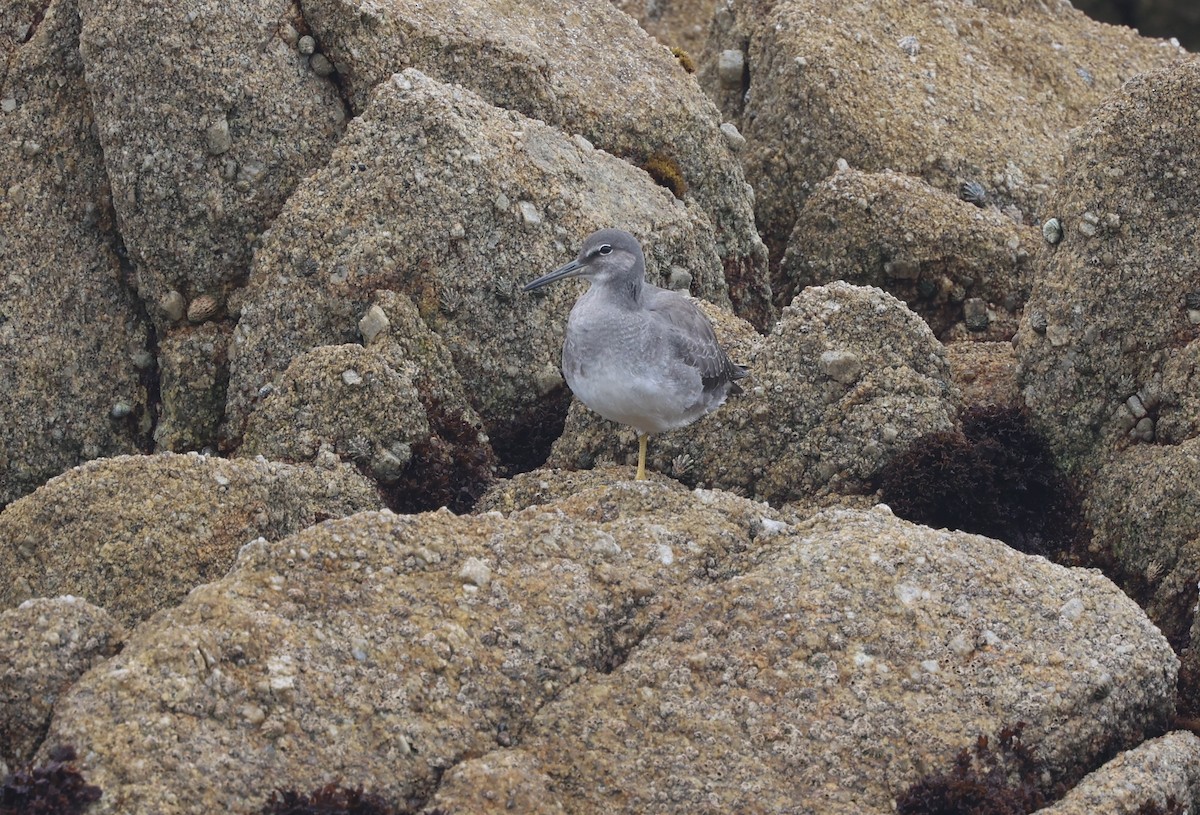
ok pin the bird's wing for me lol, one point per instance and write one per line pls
(692, 337)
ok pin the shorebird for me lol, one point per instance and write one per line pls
(634, 353)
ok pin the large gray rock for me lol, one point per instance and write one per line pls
(1161, 775)
(382, 648)
(647, 648)
(1108, 345)
(1144, 509)
(73, 351)
(135, 534)
(964, 269)
(209, 117)
(981, 92)
(857, 654)
(45, 645)
(848, 378)
(438, 195)
(587, 70)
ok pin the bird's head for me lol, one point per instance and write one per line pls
(608, 257)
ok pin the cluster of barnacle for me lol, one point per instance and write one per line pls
(1004, 780)
(54, 788)
(996, 477)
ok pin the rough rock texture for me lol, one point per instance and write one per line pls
(954, 92)
(368, 406)
(346, 398)
(209, 117)
(71, 341)
(1162, 773)
(964, 269)
(1108, 344)
(858, 653)
(681, 24)
(45, 645)
(193, 366)
(134, 534)
(984, 372)
(649, 648)
(1144, 507)
(503, 781)
(455, 203)
(848, 377)
(587, 69)
(383, 648)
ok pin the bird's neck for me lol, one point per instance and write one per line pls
(626, 291)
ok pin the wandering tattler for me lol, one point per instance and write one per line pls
(634, 353)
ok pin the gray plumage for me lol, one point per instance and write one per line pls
(635, 353)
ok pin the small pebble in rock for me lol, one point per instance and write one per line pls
(120, 410)
(475, 572)
(321, 65)
(1193, 316)
(307, 45)
(351, 377)
(1052, 231)
(373, 323)
(173, 306)
(1038, 321)
(529, 213)
(733, 137)
(731, 66)
(841, 366)
(217, 138)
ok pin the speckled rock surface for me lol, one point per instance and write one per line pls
(984, 372)
(344, 398)
(1144, 508)
(382, 648)
(848, 377)
(45, 645)
(193, 366)
(591, 71)
(859, 653)
(1108, 344)
(70, 337)
(134, 534)
(455, 203)
(209, 117)
(1162, 773)
(395, 408)
(981, 92)
(963, 268)
(503, 781)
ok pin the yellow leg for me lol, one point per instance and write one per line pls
(641, 473)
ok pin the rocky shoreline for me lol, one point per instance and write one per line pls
(295, 496)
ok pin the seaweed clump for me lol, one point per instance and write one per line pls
(666, 173)
(55, 788)
(331, 799)
(685, 59)
(996, 478)
(986, 781)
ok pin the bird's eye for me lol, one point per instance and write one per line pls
(605, 249)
